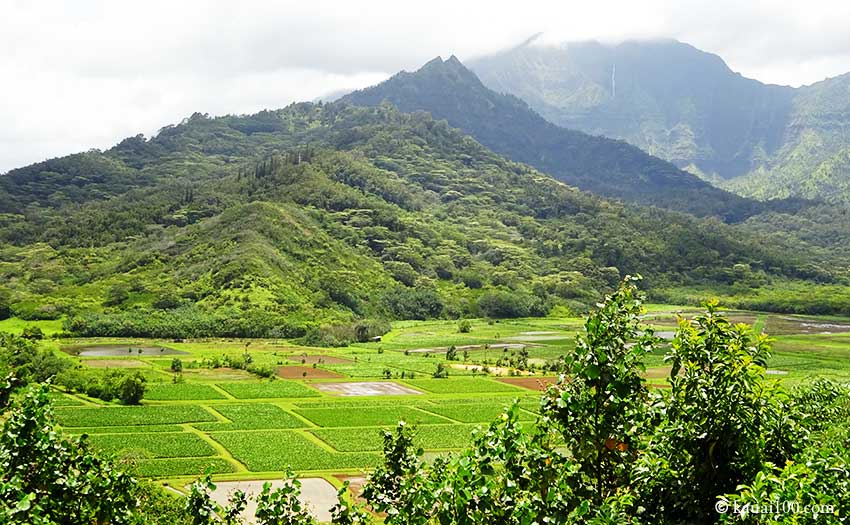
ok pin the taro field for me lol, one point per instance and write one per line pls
(323, 410)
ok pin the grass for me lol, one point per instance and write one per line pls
(154, 445)
(427, 437)
(367, 416)
(15, 325)
(275, 450)
(131, 416)
(463, 385)
(279, 388)
(196, 467)
(475, 413)
(181, 392)
(252, 417)
(61, 400)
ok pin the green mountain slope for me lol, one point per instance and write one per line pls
(688, 107)
(505, 124)
(276, 223)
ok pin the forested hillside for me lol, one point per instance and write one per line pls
(505, 124)
(276, 223)
(688, 107)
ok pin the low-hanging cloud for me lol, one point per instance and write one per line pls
(87, 73)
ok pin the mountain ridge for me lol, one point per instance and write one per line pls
(278, 223)
(687, 106)
(507, 125)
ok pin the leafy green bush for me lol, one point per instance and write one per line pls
(33, 333)
(128, 387)
(504, 304)
(48, 478)
(344, 334)
(28, 361)
(413, 303)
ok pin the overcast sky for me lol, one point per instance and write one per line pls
(83, 74)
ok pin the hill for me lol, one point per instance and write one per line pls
(505, 124)
(688, 107)
(277, 223)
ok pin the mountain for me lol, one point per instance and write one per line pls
(687, 106)
(277, 223)
(505, 124)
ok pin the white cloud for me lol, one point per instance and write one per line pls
(86, 73)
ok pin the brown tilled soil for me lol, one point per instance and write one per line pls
(306, 372)
(531, 383)
(317, 359)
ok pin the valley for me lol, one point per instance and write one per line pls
(582, 283)
(324, 410)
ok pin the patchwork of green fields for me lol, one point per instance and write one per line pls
(280, 388)
(368, 416)
(182, 391)
(191, 467)
(255, 416)
(427, 437)
(114, 416)
(154, 445)
(275, 450)
(228, 421)
(475, 412)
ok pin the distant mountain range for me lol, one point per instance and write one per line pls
(686, 106)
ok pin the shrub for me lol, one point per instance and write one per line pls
(48, 478)
(413, 303)
(33, 333)
(503, 304)
(167, 301)
(451, 353)
(130, 389)
(441, 372)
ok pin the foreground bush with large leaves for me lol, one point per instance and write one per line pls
(721, 445)
(606, 450)
(48, 478)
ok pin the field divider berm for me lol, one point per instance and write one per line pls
(222, 391)
(424, 408)
(315, 439)
(218, 416)
(289, 409)
(218, 447)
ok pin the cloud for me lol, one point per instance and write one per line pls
(87, 73)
